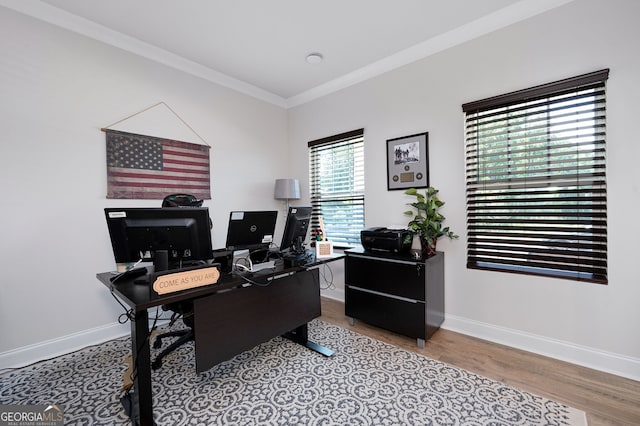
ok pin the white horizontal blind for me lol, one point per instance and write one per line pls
(336, 169)
(536, 181)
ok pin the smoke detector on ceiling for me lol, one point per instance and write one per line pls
(314, 58)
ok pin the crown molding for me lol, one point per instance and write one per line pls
(516, 12)
(85, 27)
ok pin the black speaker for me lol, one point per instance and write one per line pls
(161, 260)
(224, 258)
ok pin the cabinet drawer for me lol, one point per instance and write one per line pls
(401, 316)
(401, 278)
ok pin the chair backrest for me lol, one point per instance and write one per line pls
(181, 200)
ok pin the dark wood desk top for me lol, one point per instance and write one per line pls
(142, 296)
(323, 260)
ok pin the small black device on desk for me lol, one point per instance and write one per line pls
(225, 258)
(387, 240)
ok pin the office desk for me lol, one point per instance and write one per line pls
(233, 311)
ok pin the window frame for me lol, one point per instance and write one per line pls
(346, 233)
(536, 198)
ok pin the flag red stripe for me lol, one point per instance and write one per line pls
(201, 161)
(157, 185)
(151, 195)
(179, 170)
(183, 145)
(186, 163)
(186, 154)
(183, 181)
(142, 175)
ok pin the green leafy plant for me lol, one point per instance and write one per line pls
(427, 221)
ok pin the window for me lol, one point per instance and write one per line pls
(536, 187)
(336, 176)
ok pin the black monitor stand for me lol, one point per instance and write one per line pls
(297, 255)
(160, 263)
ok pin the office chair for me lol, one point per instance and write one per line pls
(182, 309)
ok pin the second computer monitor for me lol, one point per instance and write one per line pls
(295, 229)
(251, 229)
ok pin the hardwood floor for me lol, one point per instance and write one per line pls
(607, 399)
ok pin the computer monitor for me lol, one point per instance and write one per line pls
(167, 236)
(251, 230)
(295, 229)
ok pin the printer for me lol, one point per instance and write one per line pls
(388, 240)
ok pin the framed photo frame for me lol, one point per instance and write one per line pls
(408, 162)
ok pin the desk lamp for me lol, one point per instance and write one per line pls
(287, 189)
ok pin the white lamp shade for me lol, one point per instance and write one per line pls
(287, 189)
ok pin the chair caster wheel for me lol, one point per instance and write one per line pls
(156, 364)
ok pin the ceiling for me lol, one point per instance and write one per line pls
(259, 47)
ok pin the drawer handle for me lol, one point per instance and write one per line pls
(379, 293)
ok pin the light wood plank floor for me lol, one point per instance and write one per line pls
(607, 399)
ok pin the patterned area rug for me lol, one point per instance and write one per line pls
(279, 382)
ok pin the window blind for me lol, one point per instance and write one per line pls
(536, 180)
(336, 176)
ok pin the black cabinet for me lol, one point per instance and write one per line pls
(395, 292)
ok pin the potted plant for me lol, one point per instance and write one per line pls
(427, 221)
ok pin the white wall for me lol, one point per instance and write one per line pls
(57, 89)
(590, 324)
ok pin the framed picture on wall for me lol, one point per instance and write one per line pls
(408, 162)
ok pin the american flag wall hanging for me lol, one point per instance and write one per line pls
(147, 167)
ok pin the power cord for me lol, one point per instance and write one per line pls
(128, 313)
(124, 274)
(247, 279)
(243, 266)
(323, 272)
(126, 397)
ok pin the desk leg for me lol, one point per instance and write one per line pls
(143, 402)
(300, 335)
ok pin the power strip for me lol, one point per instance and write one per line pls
(264, 265)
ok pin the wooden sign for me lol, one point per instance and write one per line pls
(185, 280)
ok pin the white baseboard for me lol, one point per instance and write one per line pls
(333, 294)
(27, 355)
(608, 362)
(620, 365)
